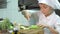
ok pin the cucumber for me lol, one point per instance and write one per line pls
(33, 27)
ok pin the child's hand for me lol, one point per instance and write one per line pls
(43, 25)
(26, 14)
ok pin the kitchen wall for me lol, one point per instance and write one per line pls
(12, 13)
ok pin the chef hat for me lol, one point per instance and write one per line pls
(53, 3)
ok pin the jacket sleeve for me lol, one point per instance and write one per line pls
(33, 19)
(57, 25)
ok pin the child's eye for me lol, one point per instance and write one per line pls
(45, 6)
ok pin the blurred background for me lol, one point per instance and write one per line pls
(11, 9)
(3, 4)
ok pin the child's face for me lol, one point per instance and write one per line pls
(45, 8)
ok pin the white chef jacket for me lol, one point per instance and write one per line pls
(52, 20)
